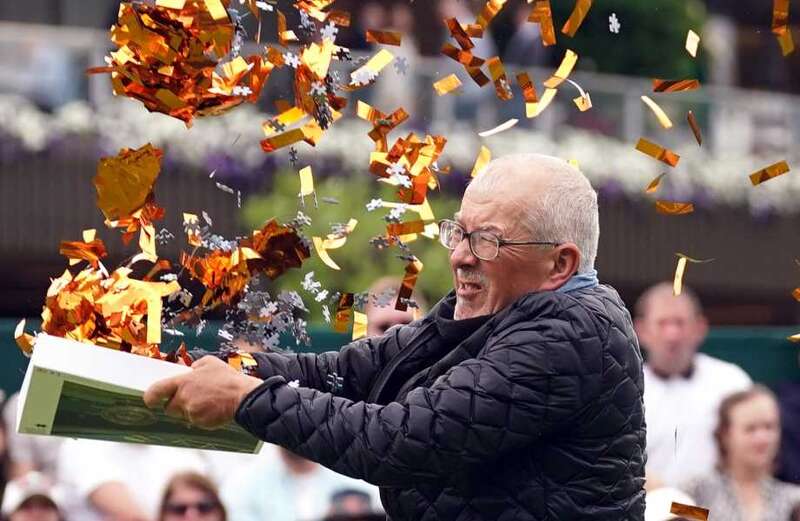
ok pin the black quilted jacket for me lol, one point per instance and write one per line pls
(534, 413)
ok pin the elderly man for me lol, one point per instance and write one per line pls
(518, 397)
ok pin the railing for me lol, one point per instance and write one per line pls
(47, 62)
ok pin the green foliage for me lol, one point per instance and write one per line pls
(361, 263)
(650, 42)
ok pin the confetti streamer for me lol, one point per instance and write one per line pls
(677, 283)
(384, 37)
(689, 511)
(542, 14)
(770, 172)
(675, 85)
(576, 18)
(674, 208)
(499, 128)
(584, 101)
(487, 14)
(447, 85)
(692, 42)
(658, 152)
(695, 128)
(654, 184)
(662, 117)
(563, 71)
(484, 156)
(532, 110)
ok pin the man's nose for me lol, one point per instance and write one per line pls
(462, 255)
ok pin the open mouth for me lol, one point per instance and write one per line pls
(468, 288)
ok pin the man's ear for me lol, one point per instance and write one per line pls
(567, 258)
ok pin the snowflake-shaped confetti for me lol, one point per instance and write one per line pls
(402, 180)
(343, 54)
(276, 125)
(318, 89)
(396, 169)
(379, 242)
(309, 284)
(374, 205)
(360, 300)
(329, 32)
(294, 384)
(326, 314)
(242, 90)
(401, 65)
(293, 156)
(322, 295)
(362, 77)
(291, 59)
(613, 23)
(164, 236)
(264, 6)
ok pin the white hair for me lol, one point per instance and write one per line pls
(564, 207)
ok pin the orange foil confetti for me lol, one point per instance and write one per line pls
(770, 172)
(413, 268)
(563, 71)
(674, 208)
(167, 57)
(528, 88)
(695, 128)
(344, 312)
(675, 85)
(498, 74)
(384, 37)
(447, 84)
(658, 152)
(125, 182)
(484, 156)
(654, 184)
(680, 269)
(542, 14)
(575, 19)
(780, 26)
(689, 511)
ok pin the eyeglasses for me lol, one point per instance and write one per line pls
(180, 509)
(483, 245)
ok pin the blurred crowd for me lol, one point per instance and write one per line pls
(714, 439)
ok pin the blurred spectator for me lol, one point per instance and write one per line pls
(352, 505)
(742, 486)
(789, 458)
(29, 453)
(381, 318)
(285, 487)
(525, 47)
(120, 481)
(191, 496)
(394, 89)
(32, 497)
(659, 503)
(5, 461)
(682, 388)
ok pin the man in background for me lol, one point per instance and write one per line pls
(380, 318)
(683, 388)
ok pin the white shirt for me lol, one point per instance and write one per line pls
(681, 415)
(84, 465)
(266, 490)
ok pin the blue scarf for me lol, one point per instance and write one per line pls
(580, 281)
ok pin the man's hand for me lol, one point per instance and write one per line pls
(207, 397)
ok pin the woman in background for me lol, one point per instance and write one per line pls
(743, 487)
(191, 496)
